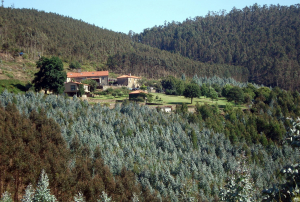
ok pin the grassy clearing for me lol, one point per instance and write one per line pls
(174, 100)
(164, 99)
(14, 86)
(104, 97)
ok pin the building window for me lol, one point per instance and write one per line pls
(73, 87)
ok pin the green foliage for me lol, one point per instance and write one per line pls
(14, 86)
(33, 141)
(114, 92)
(239, 186)
(289, 191)
(80, 90)
(235, 94)
(194, 139)
(51, 75)
(226, 89)
(173, 86)
(79, 197)
(158, 147)
(181, 109)
(96, 48)
(104, 198)
(143, 87)
(11, 76)
(263, 93)
(42, 193)
(192, 90)
(169, 84)
(180, 87)
(29, 194)
(212, 94)
(204, 90)
(75, 65)
(202, 39)
(92, 83)
(6, 197)
(149, 97)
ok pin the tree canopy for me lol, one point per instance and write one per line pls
(51, 75)
(192, 90)
(236, 94)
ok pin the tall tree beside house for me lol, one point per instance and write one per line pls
(51, 75)
(92, 83)
(80, 90)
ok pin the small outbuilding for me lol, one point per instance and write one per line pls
(166, 109)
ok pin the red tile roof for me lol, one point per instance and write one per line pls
(128, 76)
(138, 92)
(86, 74)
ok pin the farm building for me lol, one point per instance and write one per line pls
(101, 77)
(72, 88)
(129, 81)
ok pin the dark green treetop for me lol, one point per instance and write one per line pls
(51, 75)
(192, 90)
(235, 94)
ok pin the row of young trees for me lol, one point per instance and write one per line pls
(213, 88)
(179, 157)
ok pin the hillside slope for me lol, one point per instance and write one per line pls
(265, 40)
(39, 33)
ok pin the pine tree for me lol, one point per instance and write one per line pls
(79, 197)
(6, 197)
(42, 193)
(104, 198)
(29, 194)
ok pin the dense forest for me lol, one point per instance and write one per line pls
(178, 157)
(39, 33)
(88, 152)
(30, 144)
(264, 39)
(257, 44)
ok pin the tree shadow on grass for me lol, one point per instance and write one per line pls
(20, 87)
(178, 103)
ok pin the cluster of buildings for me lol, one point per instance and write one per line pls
(101, 78)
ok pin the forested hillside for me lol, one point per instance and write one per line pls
(179, 157)
(257, 44)
(265, 40)
(32, 143)
(39, 33)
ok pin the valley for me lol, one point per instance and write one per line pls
(230, 80)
